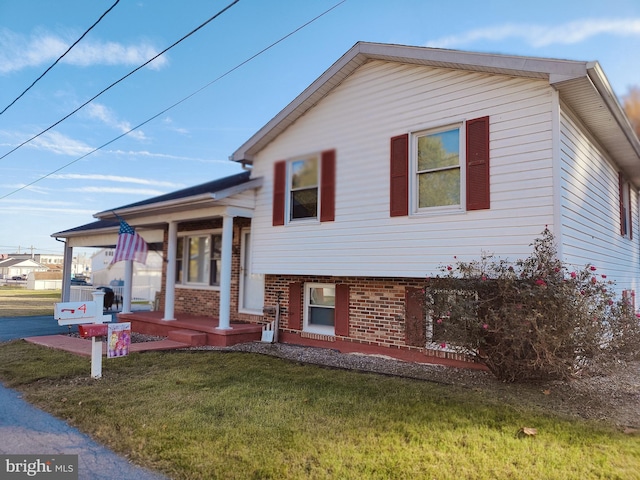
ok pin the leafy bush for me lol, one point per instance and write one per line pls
(535, 319)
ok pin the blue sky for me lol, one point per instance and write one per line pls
(190, 144)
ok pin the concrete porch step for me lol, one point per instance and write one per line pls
(190, 337)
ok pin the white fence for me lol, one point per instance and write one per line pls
(139, 295)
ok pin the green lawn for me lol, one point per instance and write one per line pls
(20, 302)
(211, 414)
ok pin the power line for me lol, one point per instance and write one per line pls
(60, 57)
(121, 79)
(176, 103)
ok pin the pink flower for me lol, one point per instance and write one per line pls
(603, 276)
(610, 302)
(574, 274)
(556, 269)
(443, 345)
(483, 278)
(594, 279)
(540, 282)
(593, 269)
(485, 326)
(449, 267)
(581, 292)
(439, 321)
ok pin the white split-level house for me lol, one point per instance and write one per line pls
(393, 162)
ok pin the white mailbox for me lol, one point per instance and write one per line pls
(76, 313)
(73, 313)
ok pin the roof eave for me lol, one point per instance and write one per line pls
(194, 201)
(362, 52)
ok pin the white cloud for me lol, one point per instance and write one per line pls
(542, 35)
(145, 153)
(118, 190)
(109, 118)
(115, 178)
(43, 208)
(61, 144)
(18, 51)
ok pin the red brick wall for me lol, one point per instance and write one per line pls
(376, 309)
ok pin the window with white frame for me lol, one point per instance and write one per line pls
(625, 208)
(319, 308)
(198, 259)
(437, 169)
(303, 184)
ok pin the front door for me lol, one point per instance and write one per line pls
(251, 284)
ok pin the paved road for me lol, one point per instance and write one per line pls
(26, 430)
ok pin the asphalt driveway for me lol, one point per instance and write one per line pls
(21, 327)
(26, 430)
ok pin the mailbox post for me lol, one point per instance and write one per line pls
(77, 313)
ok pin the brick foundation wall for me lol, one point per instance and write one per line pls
(376, 311)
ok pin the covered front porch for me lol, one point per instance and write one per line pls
(194, 330)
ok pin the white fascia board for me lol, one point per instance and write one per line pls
(193, 202)
(602, 85)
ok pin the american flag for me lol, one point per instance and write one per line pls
(131, 246)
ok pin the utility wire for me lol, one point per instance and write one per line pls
(60, 57)
(228, 72)
(174, 105)
(121, 79)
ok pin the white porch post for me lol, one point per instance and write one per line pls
(170, 281)
(128, 286)
(225, 273)
(66, 272)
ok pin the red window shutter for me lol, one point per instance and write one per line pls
(478, 197)
(328, 186)
(415, 318)
(342, 310)
(630, 214)
(279, 191)
(399, 187)
(295, 306)
(623, 230)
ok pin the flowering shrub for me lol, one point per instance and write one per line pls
(533, 319)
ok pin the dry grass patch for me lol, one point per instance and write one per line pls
(19, 302)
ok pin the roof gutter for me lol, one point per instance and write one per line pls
(602, 85)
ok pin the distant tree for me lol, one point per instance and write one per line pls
(631, 104)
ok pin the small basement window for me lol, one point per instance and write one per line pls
(319, 308)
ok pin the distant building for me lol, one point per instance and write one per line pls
(146, 278)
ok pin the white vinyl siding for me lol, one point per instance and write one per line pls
(591, 209)
(357, 119)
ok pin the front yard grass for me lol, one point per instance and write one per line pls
(213, 414)
(20, 302)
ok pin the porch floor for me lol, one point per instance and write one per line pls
(192, 329)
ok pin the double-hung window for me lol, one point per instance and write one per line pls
(319, 308)
(303, 188)
(438, 171)
(198, 259)
(626, 217)
(441, 169)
